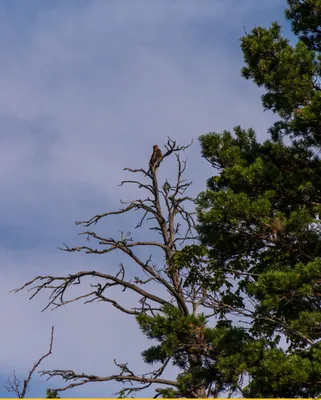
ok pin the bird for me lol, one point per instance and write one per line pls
(156, 157)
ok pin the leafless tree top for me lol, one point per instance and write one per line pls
(163, 204)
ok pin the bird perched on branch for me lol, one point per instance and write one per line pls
(156, 157)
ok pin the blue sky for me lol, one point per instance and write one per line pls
(86, 89)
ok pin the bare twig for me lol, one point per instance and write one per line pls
(13, 385)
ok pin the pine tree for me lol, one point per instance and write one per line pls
(259, 217)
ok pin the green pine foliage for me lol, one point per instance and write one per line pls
(52, 394)
(223, 350)
(259, 217)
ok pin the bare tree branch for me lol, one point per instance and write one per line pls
(164, 209)
(58, 291)
(13, 385)
(82, 379)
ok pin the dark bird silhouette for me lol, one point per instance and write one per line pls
(156, 157)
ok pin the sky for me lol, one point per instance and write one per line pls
(87, 87)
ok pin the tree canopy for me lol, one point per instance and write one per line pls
(259, 217)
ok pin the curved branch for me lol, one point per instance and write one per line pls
(70, 375)
(125, 247)
(59, 290)
(14, 385)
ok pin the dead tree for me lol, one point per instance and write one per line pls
(13, 384)
(164, 205)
